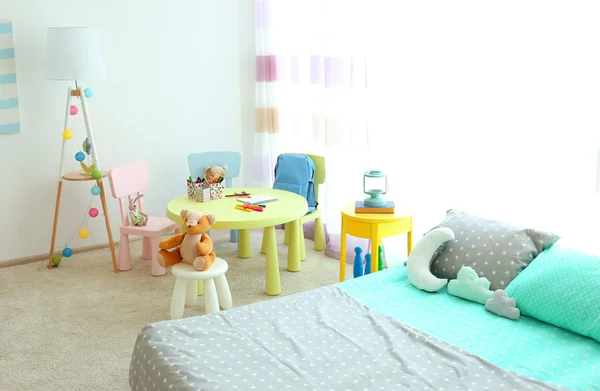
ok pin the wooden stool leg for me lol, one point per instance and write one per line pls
(108, 229)
(211, 300)
(191, 293)
(56, 208)
(223, 292)
(178, 299)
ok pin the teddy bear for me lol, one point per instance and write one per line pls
(193, 246)
(215, 171)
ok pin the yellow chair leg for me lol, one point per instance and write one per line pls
(200, 287)
(302, 244)
(320, 241)
(294, 263)
(286, 234)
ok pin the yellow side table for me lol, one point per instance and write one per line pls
(375, 227)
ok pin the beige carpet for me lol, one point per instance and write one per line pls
(73, 327)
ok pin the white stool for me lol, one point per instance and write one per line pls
(186, 287)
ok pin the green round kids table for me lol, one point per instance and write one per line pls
(288, 208)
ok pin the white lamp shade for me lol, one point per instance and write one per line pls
(74, 53)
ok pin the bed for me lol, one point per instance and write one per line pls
(376, 332)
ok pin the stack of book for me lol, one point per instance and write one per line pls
(360, 207)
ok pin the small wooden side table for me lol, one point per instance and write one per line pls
(374, 227)
(78, 176)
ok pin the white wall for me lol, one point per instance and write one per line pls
(175, 74)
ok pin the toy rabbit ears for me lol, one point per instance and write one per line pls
(132, 202)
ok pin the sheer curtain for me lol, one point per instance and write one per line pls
(488, 107)
(312, 94)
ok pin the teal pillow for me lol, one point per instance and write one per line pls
(561, 287)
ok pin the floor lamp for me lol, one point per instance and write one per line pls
(74, 54)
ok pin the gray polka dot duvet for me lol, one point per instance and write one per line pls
(323, 339)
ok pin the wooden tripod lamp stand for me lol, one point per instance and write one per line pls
(74, 54)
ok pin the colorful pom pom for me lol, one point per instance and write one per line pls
(88, 92)
(67, 134)
(96, 174)
(56, 260)
(84, 233)
(80, 156)
(67, 252)
(93, 212)
(96, 190)
(74, 110)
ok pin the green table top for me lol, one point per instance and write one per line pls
(288, 207)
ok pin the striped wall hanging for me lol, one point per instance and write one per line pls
(9, 103)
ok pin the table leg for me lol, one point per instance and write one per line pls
(302, 242)
(343, 253)
(294, 263)
(263, 246)
(286, 233)
(244, 250)
(273, 283)
(375, 242)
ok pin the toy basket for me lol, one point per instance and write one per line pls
(216, 190)
(197, 192)
(203, 192)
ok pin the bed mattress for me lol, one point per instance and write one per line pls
(372, 333)
(525, 346)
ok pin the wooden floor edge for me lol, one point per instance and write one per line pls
(44, 257)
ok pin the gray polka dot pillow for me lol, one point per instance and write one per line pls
(495, 250)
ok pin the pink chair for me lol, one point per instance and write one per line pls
(128, 182)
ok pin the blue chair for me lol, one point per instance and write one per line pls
(197, 161)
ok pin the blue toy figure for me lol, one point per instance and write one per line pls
(367, 264)
(358, 264)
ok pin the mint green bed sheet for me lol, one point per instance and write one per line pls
(526, 345)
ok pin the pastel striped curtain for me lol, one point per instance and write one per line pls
(312, 73)
(9, 103)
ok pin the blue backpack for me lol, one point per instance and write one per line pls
(295, 173)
